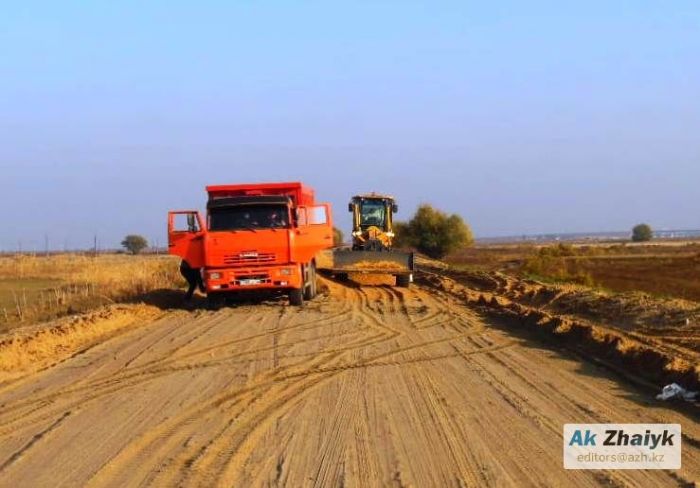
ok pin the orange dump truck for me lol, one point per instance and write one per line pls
(255, 237)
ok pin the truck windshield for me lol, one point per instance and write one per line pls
(372, 213)
(249, 217)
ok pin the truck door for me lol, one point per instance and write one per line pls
(186, 236)
(314, 232)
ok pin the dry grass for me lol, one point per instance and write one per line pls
(34, 288)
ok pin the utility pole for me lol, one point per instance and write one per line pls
(95, 246)
(46, 244)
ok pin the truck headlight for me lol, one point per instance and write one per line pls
(214, 276)
(286, 271)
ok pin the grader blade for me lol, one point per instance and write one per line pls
(348, 261)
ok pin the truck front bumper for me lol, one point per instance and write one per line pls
(254, 277)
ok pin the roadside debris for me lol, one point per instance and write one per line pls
(674, 390)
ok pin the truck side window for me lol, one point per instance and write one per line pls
(186, 223)
(317, 216)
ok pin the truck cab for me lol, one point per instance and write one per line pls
(254, 237)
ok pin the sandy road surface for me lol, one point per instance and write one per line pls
(367, 386)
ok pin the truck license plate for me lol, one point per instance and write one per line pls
(250, 281)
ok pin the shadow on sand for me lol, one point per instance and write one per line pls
(170, 299)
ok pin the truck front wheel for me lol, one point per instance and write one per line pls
(215, 301)
(296, 297)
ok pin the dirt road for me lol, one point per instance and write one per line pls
(366, 386)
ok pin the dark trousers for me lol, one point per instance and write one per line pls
(193, 277)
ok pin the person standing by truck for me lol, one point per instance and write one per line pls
(193, 277)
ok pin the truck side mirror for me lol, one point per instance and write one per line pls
(350, 207)
(191, 224)
(394, 208)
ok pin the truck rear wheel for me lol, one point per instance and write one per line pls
(403, 281)
(296, 297)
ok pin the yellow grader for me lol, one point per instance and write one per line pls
(372, 242)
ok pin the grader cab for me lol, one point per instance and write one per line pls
(372, 221)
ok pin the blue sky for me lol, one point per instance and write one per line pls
(524, 117)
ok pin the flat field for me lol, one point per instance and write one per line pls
(664, 269)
